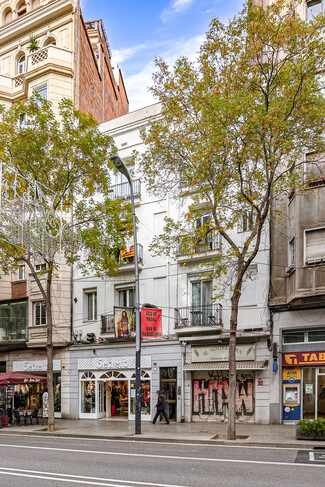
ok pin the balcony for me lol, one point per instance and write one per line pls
(122, 191)
(126, 256)
(193, 320)
(196, 248)
(56, 58)
(13, 322)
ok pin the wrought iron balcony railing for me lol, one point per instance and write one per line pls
(122, 191)
(108, 323)
(208, 315)
(196, 245)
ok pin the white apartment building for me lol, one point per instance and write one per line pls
(190, 361)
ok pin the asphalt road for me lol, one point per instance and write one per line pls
(32, 461)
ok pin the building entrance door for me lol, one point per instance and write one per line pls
(321, 394)
(168, 384)
(313, 398)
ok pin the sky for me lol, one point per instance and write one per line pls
(138, 31)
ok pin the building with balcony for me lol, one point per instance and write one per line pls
(297, 290)
(190, 362)
(48, 48)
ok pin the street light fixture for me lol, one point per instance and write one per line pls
(121, 167)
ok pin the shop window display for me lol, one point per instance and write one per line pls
(88, 397)
(145, 394)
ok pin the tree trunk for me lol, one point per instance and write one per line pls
(49, 355)
(231, 433)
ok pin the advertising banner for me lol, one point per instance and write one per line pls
(124, 322)
(151, 323)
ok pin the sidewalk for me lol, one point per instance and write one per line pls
(205, 433)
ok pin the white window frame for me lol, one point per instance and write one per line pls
(41, 305)
(22, 64)
(40, 267)
(127, 291)
(291, 255)
(316, 260)
(39, 88)
(90, 307)
(21, 274)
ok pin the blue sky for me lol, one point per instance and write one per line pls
(140, 30)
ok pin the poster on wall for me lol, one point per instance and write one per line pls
(124, 322)
(309, 389)
(151, 323)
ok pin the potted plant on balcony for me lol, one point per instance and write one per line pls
(33, 44)
(310, 429)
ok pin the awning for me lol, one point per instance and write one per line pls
(251, 365)
(14, 378)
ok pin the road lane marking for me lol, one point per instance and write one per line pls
(167, 457)
(81, 478)
(133, 441)
(320, 457)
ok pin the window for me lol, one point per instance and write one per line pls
(315, 246)
(303, 336)
(245, 223)
(21, 273)
(126, 298)
(50, 41)
(40, 268)
(22, 64)
(91, 305)
(291, 255)
(7, 16)
(39, 313)
(42, 92)
(21, 8)
(22, 120)
(314, 7)
(35, 3)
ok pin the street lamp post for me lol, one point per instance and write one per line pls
(121, 167)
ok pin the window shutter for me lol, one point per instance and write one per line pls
(315, 244)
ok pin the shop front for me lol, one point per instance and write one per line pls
(30, 395)
(210, 382)
(303, 385)
(107, 388)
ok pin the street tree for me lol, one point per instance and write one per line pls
(55, 205)
(233, 129)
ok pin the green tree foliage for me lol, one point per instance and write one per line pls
(233, 129)
(67, 163)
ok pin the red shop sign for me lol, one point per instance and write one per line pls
(303, 359)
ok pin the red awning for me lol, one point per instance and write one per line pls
(14, 378)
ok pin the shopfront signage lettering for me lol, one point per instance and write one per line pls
(221, 354)
(104, 363)
(303, 358)
(151, 325)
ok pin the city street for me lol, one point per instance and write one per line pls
(36, 461)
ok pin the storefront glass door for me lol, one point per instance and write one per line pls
(309, 390)
(321, 394)
(313, 393)
(101, 399)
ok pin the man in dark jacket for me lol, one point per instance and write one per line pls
(161, 407)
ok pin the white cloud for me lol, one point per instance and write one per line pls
(137, 84)
(176, 7)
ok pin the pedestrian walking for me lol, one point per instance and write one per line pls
(161, 407)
